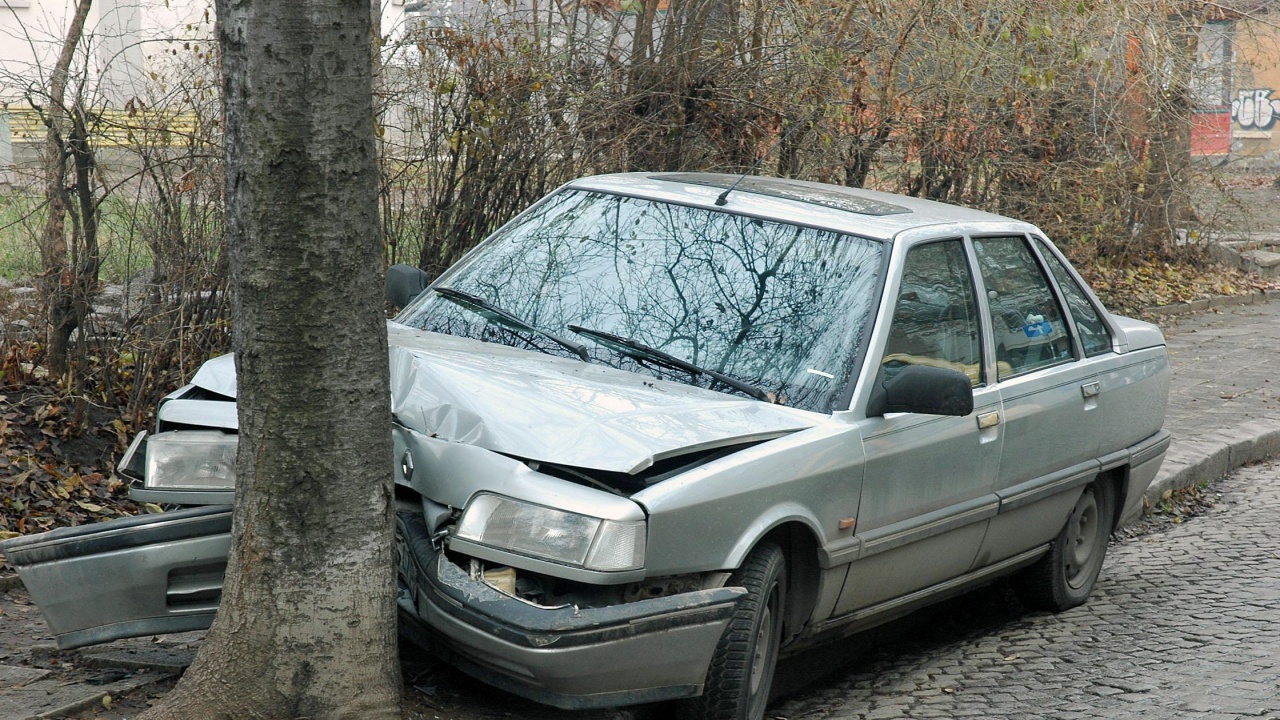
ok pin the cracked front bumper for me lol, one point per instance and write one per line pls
(569, 657)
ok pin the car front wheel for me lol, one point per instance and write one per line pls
(1064, 577)
(741, 671)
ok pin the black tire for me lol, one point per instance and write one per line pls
(741, 670)
(1065, 576)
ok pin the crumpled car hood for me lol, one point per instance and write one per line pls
(549, 409)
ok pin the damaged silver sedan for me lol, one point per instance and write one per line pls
(662, 428)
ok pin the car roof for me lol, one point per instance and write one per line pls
(868, 213)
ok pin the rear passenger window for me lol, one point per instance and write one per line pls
(1094, 335)
(935, 321)
(1028, 325)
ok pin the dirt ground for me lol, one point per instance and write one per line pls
(1240, 204)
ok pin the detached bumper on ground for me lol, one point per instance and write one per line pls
(569, 657)
(133, 576)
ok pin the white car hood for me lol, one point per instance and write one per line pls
(549, 409)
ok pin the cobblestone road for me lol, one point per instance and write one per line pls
(1184, 624)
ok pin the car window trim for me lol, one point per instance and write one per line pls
(1042, 245)
(858, 392)
(1077, 343)
(965, 250)
(1053, 289)
(990, 372)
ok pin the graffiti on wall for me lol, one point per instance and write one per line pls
(1255, 110)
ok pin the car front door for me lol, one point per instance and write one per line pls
(927, 492)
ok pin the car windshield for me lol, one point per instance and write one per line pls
(779, 307)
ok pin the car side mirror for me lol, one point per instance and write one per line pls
(404, 283)
(925, 390)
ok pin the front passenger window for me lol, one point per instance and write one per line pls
(935, 321)
(1026, 320)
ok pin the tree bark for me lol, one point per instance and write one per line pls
(307, 623)
(58, 289)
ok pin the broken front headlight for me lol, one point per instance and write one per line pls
(564, 537)
(191, 460)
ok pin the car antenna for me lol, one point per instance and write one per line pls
(724, 196)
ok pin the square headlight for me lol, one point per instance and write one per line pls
(191, 460)
(564, 537)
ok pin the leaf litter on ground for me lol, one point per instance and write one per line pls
(40, 486)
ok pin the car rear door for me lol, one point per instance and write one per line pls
(1049, 392)
(135, 576)
(1121, 407)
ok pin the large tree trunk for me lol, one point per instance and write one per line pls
(307, 624)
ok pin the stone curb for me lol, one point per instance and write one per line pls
(163, 660)
(1193, 462)
(1216, 301)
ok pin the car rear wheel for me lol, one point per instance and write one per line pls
(741, 671)
(1064, 577)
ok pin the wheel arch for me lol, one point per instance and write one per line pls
(1118, 479)
(799, 543)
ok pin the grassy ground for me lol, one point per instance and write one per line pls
(22, 219)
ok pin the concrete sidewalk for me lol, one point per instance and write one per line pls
(1224, 401)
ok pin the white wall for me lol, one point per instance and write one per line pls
(125, 40)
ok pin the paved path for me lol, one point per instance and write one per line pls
(1185, 624)
(1224, 402)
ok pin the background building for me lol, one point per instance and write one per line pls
(1237, 87)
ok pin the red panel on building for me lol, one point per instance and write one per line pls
(1210, 132)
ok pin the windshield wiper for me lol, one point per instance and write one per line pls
(640, 351)
(495, 314)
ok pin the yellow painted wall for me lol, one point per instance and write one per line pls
(1255, 105)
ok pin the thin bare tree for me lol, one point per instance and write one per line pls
(68, 271)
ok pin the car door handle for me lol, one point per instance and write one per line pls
(988, 420)
(1090, 389)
